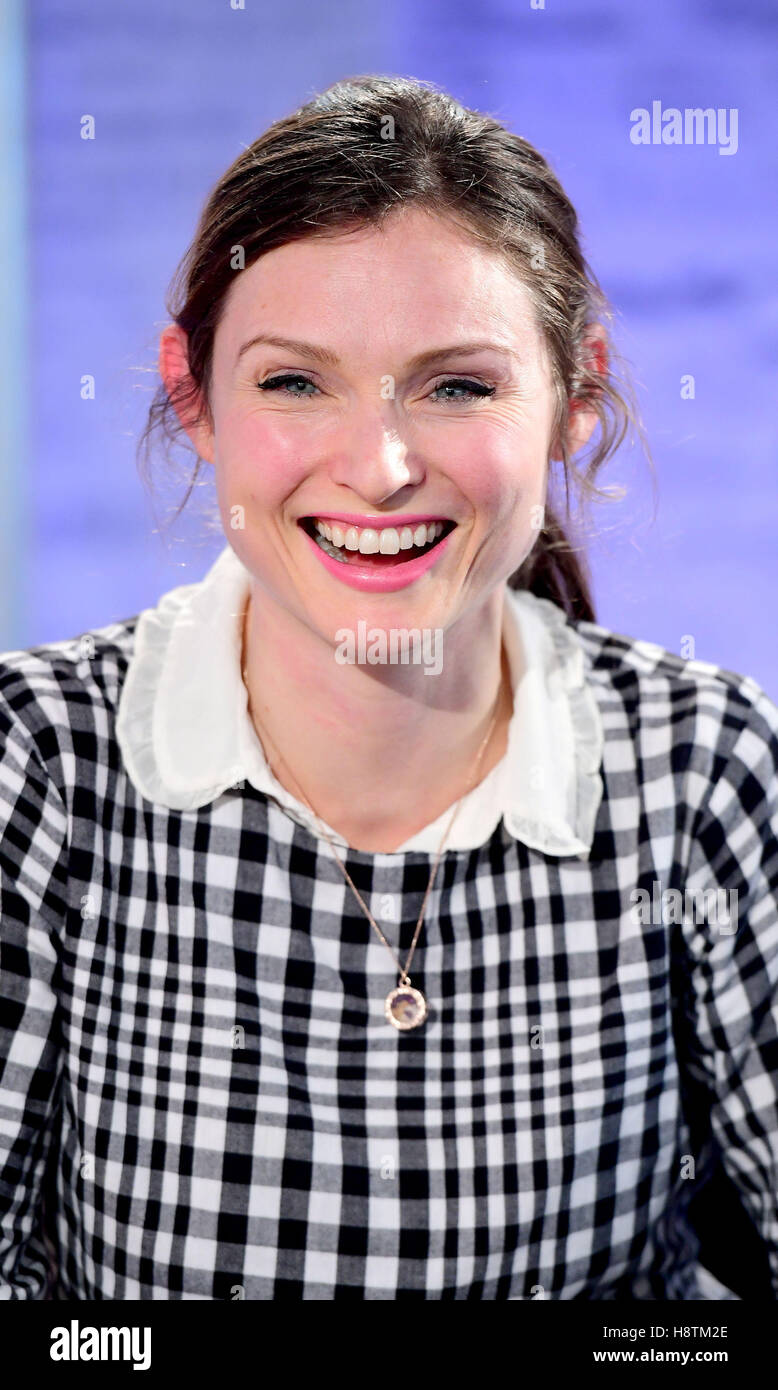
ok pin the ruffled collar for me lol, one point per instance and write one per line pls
(186, 734)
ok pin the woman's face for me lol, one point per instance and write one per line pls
(371, 428)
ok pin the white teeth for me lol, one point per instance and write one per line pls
(330, 549)
(368, 542)
(388, 541)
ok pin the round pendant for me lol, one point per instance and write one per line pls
(405, 1007)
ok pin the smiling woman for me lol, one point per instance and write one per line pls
(368, 325)
(327, 979)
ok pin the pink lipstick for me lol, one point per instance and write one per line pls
(376, 572)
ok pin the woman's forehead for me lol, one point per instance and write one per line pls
(419, 277)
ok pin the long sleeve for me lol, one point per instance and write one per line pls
(729, 1059)
(33, 841)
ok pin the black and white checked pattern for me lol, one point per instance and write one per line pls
(192, 1034)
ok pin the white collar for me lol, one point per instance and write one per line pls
(186, 735)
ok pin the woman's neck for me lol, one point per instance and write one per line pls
(377, 751)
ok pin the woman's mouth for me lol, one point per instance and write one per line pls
(375, 547)
(377, 559)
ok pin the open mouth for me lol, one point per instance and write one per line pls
(381, 548)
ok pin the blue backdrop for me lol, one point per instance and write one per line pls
(681, 236)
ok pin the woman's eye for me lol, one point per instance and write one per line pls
(471, 388)
(273, 383)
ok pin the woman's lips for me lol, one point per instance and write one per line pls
(376, 572)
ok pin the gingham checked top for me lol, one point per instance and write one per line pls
(197, 1076)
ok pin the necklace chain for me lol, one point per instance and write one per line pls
(405, 978)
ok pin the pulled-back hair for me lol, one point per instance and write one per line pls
(363, 148)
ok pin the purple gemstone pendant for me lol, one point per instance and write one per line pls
(405, 1007)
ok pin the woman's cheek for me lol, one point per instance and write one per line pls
(505, 486)
(261, 463)
(495, 473)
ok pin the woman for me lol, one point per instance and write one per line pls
(330, 883)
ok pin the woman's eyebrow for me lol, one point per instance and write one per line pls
(331, 359)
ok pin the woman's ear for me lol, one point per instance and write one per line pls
(174, 370)
(582, 417)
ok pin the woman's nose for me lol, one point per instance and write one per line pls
(373, 460)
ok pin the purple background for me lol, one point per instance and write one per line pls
(681, 237)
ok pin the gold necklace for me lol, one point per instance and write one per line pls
(404, 1007)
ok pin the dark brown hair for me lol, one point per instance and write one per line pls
(346, 159)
